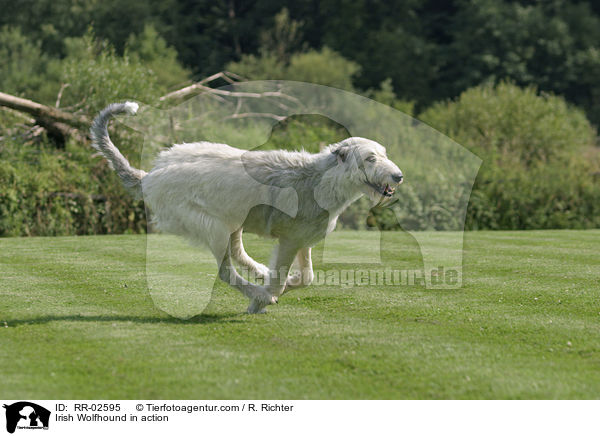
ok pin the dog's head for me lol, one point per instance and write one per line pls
(367, 167)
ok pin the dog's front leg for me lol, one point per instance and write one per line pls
(280, 266)
(301, 273)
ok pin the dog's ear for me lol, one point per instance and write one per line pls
(341, 153)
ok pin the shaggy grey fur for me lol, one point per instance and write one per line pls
(130, 176)
(210, 193)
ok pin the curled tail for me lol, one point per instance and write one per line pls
(131, 177)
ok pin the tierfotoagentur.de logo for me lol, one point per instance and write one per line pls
(24, 415)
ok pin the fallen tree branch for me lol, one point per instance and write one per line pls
(42, 112)
(193, 88)
(277, 98)
(197, 88)
(62, 124)
(57, 123)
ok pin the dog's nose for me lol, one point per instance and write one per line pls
(397, 177)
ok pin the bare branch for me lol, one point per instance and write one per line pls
(238, 106)
(58, 123)
(60, 93)
(256, 115)
(221, 75)
(41, 112)
(200, 87)
(234, 76)
(64, 122)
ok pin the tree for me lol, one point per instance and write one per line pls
(552, 45)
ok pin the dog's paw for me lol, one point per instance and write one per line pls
(258, 305)
(294, 279)
(297, 279)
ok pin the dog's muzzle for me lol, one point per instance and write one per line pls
(385, 190)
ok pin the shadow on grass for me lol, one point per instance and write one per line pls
(199, 319)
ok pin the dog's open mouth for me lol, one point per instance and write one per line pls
(386, 191)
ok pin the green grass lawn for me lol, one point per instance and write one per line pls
(77, 321)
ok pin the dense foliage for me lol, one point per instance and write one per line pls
(540, 165)
(431, 50)
(513, 81)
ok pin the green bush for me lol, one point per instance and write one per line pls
(323, 67)
(385, 94)
(93, 73)
(98, 76)
(51, 192)
(278, 60)
(540, 160)
(152, 51)
(45, 190)
(21, 62)
(513, 125)
(24, 69)
(535, 173)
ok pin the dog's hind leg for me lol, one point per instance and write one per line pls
(258, 295)
(240, 256)
(220, 245)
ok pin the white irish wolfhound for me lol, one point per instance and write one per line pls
(210, 193)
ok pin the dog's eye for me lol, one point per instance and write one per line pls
(370, 159)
